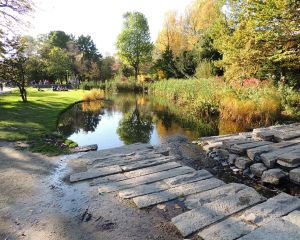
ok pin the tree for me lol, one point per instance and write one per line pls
(59, 39)
(12, 10)
(106, 71)
(13, 67)
(261, 35)
(167, 64)
(58, 63)
(134, 42)
(172, 35)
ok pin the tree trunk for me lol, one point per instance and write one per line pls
(136, 73)
(23, 93)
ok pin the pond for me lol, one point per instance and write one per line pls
(129, 118)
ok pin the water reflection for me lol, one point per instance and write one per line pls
(128, 118)
(135, 126)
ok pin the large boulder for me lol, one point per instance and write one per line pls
(273, 176)
(257, 169)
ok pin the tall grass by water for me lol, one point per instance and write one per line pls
(252, 105)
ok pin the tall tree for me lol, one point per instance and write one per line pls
(134, 42)
(59, 39)
(14, 66)
(58, 63)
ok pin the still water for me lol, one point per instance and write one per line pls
(128, 118)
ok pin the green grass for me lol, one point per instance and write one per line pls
(35, 121)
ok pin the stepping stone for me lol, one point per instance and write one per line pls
(276, 230)
(154, 177)
(235, 227)
(229, 229)
(196, 219)
(295, 176)
(254, 153)
(143, 190)
(199, 199)
(287, 136)
(273, 176)
(172, 193)
(107, 161)
(257, 169)
(188, 178)
(242, 148)
(270, 158)
(149, 170)
(93, 173)
(273, 208)
(110, 178)
(127, 149)
(242, 162)
(229, 143)
(291, 159)
(146, 163)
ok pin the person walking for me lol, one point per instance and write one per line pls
(1, 87)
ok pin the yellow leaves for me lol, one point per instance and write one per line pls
(181, 33)
(172, 34)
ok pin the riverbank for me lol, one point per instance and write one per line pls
(35, 122)
(255, 105)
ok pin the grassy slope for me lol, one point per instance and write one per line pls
(38, 117)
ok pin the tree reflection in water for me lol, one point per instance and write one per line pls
(85, 116)
(136, 126)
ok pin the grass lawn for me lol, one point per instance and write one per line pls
(35, 120)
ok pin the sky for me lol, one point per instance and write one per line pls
(101, 19)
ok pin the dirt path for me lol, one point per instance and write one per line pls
(36, 203)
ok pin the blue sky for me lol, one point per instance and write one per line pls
(102, 19)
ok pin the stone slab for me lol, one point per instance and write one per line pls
(276, 230)
(199, 199)
(136, 147)
(196, 219)
(93, 173)
(293, 217)
(273, 176)
(111, 178)
(146, 163)
(273, 208)
(287, 135)
(149, 170)
(143, 190)
(242, 162)
(229, 143)
(270, 158)
(295, 176)
(188, 178)
(150, 178)
(229, 229)
(289, 159)
(121, 160)
(257, 169)
(254, 153)
(242, 148)
(172, 193)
